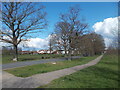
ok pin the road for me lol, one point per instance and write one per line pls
(26, 63)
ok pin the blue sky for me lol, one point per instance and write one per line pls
(92, 11)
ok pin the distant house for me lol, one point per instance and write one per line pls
(28, 52)
(52, 52)
(59, 52)
(34, 52)
(43, 52)
(25, 52)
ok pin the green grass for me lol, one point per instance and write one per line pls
(102, 75)
(28, 57)
(47, 67)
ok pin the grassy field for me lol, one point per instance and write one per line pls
(27, 57)
(47, 67)
(102, 75)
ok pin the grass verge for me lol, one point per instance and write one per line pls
(102, 75)
(28, 57)
(47, 67)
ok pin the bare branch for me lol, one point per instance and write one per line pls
(20, 18)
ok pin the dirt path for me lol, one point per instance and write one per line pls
(11, 81)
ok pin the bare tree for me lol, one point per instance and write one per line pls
(70, 27)
(91, 44)
(50, 45)
(20, 19)
(61, 29)
(52, 42)
(114, 46)
(115, 38)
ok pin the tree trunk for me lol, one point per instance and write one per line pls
(15, 53)
(50, 50)
(65, 49)
(70, 54)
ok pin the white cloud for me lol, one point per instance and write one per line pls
(32, 43)
(107, 28)
(36, 43)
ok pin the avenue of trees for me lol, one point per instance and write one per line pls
(21, 19)
(73, 37)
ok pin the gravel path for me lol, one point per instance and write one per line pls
(11, 81)
(26, 63)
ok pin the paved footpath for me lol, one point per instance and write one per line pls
(26, 63)
(11, 81)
